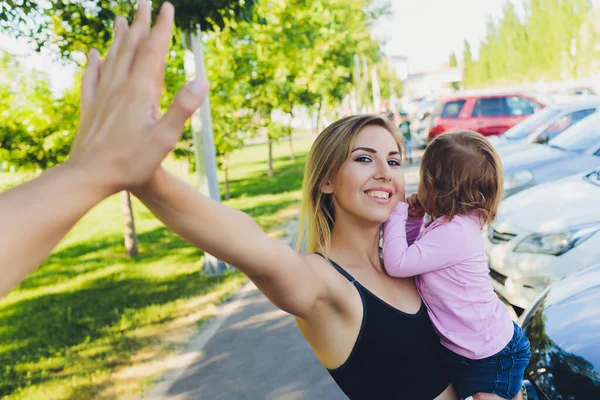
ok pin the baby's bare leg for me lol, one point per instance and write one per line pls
(488, 396)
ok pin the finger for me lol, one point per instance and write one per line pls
(89, 82)
(138, 32)
(151, 56)
(89, 90)
(121, 27)
(171, 125)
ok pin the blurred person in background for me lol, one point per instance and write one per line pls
(405, 130)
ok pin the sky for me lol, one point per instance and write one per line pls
(425, 31)
(61, 76)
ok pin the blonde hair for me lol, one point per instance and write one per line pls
(461, 174)
(327, 154)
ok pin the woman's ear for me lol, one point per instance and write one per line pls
(327, 188)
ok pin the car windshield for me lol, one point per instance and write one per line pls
(582, 136)
(536, 121)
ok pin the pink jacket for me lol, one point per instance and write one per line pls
(449, 261)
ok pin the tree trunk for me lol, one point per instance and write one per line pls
(206, 163)
(202, 127)
(131, 246)
(292, 155)
(226, 170)
(271, 171)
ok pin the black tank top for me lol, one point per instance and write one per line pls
(396, 355)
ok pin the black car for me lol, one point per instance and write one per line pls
(563, 326)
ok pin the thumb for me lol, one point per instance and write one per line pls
(184, 104)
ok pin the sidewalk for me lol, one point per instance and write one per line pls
(253, 351)
(258, 353)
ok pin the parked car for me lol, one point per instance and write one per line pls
(575, 150)
(542, 234)
(563, 327)
(488, 115)
(543, 126)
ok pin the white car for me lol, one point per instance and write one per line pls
(542, 234)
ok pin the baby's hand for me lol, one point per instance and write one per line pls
(415, 209)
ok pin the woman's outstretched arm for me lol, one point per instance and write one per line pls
(281, 274)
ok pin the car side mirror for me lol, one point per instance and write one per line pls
(542, 139)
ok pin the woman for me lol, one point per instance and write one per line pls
(375, 339)
(369, 330)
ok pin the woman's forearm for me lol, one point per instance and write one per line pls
(224, 232)
(35, 216)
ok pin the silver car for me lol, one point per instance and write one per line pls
(575, 150)
(543, 126)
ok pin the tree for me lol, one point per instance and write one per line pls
(555, 39)
(295, 53)
(347, 26)
(513, 42)
(229, 96)
(36, 129)
(469, 78)
(453, 62)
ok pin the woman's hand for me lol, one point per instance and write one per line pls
(122, 138)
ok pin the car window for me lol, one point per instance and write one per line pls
(566, 121)
(531, 124)
(490, 107)
(518, 106)
(452, 109)
(581, 137)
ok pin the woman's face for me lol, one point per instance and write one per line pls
(370, 182)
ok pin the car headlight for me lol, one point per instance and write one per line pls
(559, 242)
(518, 179)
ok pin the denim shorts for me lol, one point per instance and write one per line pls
(500, 374)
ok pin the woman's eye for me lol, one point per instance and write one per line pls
(362, 159)
(394, 163)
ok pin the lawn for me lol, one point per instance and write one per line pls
(92, 324)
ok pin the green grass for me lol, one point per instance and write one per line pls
(90, 323)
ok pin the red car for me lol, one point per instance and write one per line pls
(488, 115)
